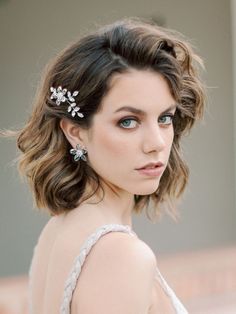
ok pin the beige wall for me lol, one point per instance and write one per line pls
(32, 31)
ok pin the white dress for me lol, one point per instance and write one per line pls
(79, 261)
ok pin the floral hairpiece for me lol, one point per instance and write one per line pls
(63, 95)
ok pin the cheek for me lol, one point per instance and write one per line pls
(112, 143)
(169, 141)
(171, 136)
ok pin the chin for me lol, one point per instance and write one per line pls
(147, 190)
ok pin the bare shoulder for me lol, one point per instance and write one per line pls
(126, 247)
(118, 276)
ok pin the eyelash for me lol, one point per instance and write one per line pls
(137, 120)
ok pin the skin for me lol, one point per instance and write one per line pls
(117, 148)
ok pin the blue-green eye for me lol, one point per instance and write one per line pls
(166, 119)
(128, 123)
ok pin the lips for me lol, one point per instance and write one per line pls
(152, 165)
(152, 170)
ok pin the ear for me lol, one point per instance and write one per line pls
(74, 133)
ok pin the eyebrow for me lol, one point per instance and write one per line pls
(141, 112)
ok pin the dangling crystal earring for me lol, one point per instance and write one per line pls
(79, 153)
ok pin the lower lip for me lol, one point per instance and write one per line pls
(151, 172)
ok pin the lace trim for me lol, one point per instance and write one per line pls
(79, 261)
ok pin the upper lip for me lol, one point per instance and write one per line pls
(152, 164)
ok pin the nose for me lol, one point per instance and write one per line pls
(154, 139)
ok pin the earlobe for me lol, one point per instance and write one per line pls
(72, 132)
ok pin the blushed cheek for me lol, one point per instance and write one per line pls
(113, 144)
(169, 140)
(171, 137)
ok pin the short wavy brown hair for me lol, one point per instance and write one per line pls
(58, 183)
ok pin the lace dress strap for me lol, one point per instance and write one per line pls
(79, 261)
(178, 306)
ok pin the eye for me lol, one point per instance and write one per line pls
(166, 119)
(128, 123)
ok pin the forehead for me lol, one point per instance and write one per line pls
(143, 89)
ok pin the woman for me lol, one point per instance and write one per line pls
(103, 142)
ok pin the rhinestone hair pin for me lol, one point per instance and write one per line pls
(63, 95)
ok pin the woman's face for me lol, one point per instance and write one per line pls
(133, 128)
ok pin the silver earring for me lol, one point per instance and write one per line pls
(79, 153)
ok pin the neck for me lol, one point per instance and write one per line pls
(114, 204)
